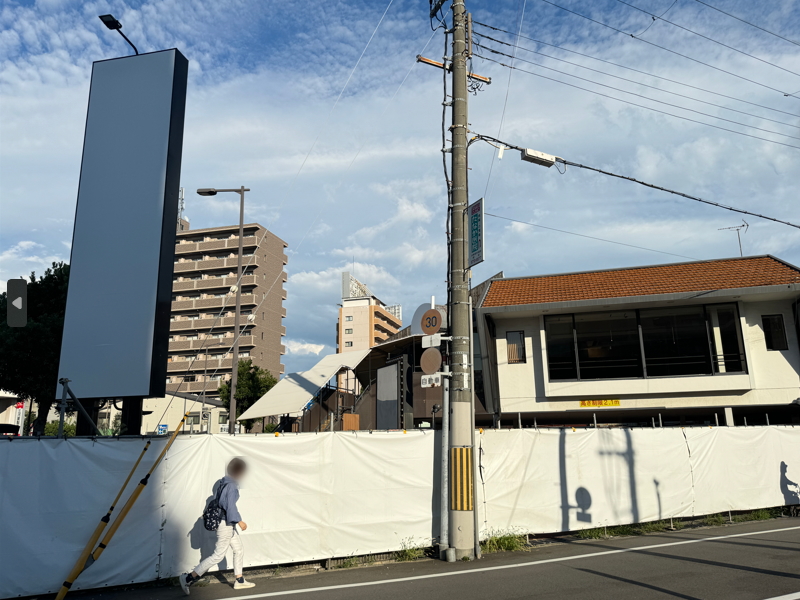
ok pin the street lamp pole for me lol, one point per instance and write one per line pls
(235, 357)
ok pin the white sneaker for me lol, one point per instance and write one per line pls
(184, 585)
(243, 585)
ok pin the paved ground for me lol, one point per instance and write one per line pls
(753, 561)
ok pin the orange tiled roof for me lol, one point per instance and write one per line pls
(643, 281)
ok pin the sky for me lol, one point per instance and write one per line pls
(342, 150)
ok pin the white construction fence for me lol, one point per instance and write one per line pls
(317, 496)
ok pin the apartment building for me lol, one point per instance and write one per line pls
(364, 320)
(204, 302)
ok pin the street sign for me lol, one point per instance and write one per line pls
(475, 215)
(432, 341)
(431, 381)
(162, 429)
(430, 361)
(431, 321)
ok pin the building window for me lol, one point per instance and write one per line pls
(774, 332)
(658, 342)
(193, 420)
(515, 347)
(223, 418)
(188, 378)
(348, 344)
(348, 318)
(244, 354)
(348, 331)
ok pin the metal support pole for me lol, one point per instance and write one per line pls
(444, 506)
(660, 424)
(594, 417)
(767, 415)
(476, 455)
(78, 405)
(716, 419)
(235, 356)
(462, 534)
(62, 407)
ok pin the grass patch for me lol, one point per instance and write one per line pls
(596, 533)
(714, 520)
(348, 563)
(506, 542)
(762, 514)
(599, 533)
(409, 552)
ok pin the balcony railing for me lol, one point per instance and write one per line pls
(183, 247)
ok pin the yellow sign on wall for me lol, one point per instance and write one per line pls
(595, 403)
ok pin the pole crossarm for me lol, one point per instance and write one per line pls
(498, 143)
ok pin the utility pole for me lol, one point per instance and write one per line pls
(462, 422)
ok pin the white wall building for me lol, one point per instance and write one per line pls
(700, 342)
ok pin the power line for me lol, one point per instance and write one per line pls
(558, 159)
(674, 2)
(663, 189)
(316, 218)
(505, 102)
(591, 237)
(705, 37)
(694, 87)
(483, 36)
(639, 95)
(664, 48)
(640, 105)
(747, 22)
(258, 245)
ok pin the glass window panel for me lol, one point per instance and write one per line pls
(774, 332)
(515, 346)
(560, 347)
(608, 345)
(675, 341)
(726, 338)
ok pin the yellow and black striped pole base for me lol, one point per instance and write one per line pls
(462, 491)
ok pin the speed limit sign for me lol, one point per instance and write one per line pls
(431, 321)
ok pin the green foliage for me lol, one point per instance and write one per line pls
(504, 542)
(116, 426)
(253, 382)
(348, 563)
(714, 520)
(29, 355)
(409, 551)
(762, 514)
(51, 429)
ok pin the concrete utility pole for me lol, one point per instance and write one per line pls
(462, 423)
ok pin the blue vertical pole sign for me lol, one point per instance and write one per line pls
(475, 224)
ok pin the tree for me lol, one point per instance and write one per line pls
(29, 355)
(51, 428)
(253, 383)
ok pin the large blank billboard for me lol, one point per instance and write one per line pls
(116, 325)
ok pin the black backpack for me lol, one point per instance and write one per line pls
(214, 514)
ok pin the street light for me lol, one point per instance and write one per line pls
(235, 356)
(114, 25)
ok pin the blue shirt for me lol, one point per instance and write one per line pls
(228, 498)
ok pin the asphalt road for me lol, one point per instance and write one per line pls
(752, 561)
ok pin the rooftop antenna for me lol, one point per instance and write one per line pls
(745, 225)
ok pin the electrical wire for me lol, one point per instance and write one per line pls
(638, 95)
(258, 245)
(310, 228)
(663, 189)
(591, 237)
(705, 37)
(558, 159)
(484, 36)
(664, 48)
(608, 62)
(674, 2)
(747, 22)
(640, 105)
(505, 102)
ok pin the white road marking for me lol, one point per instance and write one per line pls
(517, 566)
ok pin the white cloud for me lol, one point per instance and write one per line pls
(302, 348)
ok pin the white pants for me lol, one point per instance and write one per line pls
(227, 537)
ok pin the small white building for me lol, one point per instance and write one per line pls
(690, 343)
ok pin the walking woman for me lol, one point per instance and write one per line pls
(227, 534)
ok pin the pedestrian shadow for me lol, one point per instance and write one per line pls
(205, 541)
(789, 489)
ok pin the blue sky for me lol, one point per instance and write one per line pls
(264, 76)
